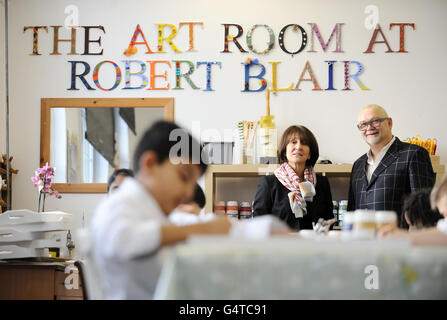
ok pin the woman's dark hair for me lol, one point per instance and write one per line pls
(118, 172)
(418, 210)
(306, 137)
(165, 136)
(199, 196)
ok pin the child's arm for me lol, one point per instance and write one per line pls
(171, 233)
(427, 237)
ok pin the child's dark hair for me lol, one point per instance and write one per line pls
(199, 196)
(118, 172)
(418, 210)
(161, 137)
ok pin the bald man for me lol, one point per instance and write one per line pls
(390, 169)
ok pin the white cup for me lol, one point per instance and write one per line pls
(386, 218)
(348, 224)
(364, 224)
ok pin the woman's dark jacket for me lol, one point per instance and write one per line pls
(272, 198)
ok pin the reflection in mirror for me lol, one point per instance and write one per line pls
(88, 144)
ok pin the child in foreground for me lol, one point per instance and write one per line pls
(131, 225)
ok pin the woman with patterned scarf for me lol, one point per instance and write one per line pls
(295, 193)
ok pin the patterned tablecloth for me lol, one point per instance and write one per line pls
(291, 268)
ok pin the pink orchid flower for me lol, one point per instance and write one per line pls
(43, 180)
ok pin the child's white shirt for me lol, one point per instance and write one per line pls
(126, 232)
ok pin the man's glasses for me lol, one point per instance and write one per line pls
(374, 123)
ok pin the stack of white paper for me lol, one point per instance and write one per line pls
(28, 234)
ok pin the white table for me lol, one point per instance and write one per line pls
(291, 268)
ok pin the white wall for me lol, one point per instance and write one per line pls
(410, 86)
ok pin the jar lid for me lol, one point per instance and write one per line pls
(245, 204)
(386, 216)
(232, 203)
(364, 215)
(220, 203)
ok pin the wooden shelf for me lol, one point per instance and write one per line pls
(256, 170)
(244, 170)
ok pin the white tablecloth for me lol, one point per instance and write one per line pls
(290, 268)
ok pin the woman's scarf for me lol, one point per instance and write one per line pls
(300, 191)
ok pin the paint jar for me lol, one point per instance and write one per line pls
(386, 218)
(245, 210)
(348, 224)
(219, 208)
(364, 224)
(342, 209)
(232, 210)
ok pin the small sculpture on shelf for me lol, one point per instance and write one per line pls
(3, 187)
(4, 184)
(267, 136)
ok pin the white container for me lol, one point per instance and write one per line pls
(245, 211)
(386, 218)
(364, 224)
(30, 221)
(238, 150)
(37, 227)
(348, 221)
(348, 224)
(219, 208)
(16, 252)
(28, 234)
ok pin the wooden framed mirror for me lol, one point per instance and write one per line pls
(85, 139)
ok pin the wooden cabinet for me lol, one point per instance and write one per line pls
(38, 281)
(338, 175)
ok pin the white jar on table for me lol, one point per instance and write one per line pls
(364, 224)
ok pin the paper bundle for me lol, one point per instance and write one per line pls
(28, 234)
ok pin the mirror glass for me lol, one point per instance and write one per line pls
(88, 144)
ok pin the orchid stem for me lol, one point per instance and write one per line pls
(44, 188)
